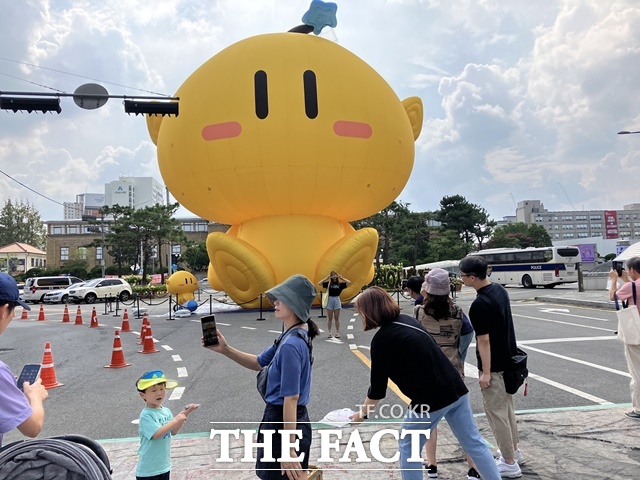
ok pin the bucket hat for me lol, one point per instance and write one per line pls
(437, 282)
(9, 291)
(297, 293)
(154, 377)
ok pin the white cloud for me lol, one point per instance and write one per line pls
(519, 96)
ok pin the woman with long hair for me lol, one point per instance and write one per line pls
(405, 353)
(443, 319)
(334, 284)
(289, 377)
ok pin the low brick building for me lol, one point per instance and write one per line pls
(68, 240)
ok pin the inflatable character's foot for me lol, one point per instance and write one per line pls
(352, 257)
(242, 271)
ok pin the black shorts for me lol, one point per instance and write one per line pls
(272, 420)
(162, 476)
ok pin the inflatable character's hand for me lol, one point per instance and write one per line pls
(352, 257)
(241, 270)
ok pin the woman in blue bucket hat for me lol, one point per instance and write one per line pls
(287, 370)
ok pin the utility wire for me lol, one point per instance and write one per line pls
(32, 83)
(29, 188)
(81, 76)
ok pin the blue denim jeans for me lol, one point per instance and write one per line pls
(462, 424)
(465, 341)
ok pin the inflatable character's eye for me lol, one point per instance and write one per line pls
(310, 94)
(262, 96)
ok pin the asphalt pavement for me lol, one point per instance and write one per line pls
(585, 441)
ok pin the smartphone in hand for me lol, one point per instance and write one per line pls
(30, 373)
(209, 330)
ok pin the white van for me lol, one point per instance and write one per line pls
(36, 287)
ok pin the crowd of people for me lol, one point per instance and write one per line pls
(423, 354)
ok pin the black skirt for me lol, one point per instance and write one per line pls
(272, 419)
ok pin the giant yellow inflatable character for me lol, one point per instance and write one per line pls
(287, 137)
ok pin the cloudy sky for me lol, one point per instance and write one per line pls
(522, 99)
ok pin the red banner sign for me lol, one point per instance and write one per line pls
(611, 223)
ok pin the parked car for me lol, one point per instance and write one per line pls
(101, 289)
(35, 288)
(20, 290)
(60, 296)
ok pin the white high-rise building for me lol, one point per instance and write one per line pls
(85, 204)
(135, 192)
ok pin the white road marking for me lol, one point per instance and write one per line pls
(278, 331)
(167, 348)
(135, 421)
(563, 323)
(249, 328)
(349, 327)
(177, 393)
(352, 320)
(470, 371)
(562, 311)
(349, 336)
(366, 347)
(581, 362)
(568, 339)
(568, 389)
(223, 324)
(352, 346)
(176, 358)
(182, 372)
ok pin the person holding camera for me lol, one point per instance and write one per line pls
(631, 352)
(288, 380)
(18, 409)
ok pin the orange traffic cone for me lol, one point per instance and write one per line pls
(65, 315)
(25, 314)
(147, 344)
(78, 317)
(125, 322)
(117, 357)
(143, 332)
(48, 371)
(41, 314)
(94, 319)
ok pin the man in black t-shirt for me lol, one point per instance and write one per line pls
(490, 314)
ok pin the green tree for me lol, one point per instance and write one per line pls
(196, 256)
(165, 228)
(519, 235)
(470, 221)
(21, 223)
(388, 223)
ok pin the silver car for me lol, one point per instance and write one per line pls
(60, 296)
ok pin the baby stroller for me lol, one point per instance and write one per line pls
(69, 457)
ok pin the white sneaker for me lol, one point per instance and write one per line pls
(517, 456)
(507, 470)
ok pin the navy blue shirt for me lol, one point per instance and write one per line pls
(290, 372)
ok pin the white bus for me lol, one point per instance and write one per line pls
(530, 267)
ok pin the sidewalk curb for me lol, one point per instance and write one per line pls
(577, 302)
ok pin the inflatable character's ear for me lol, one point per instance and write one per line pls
(413, 106)
(154, 122)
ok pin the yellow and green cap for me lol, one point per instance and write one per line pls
(154, 377)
